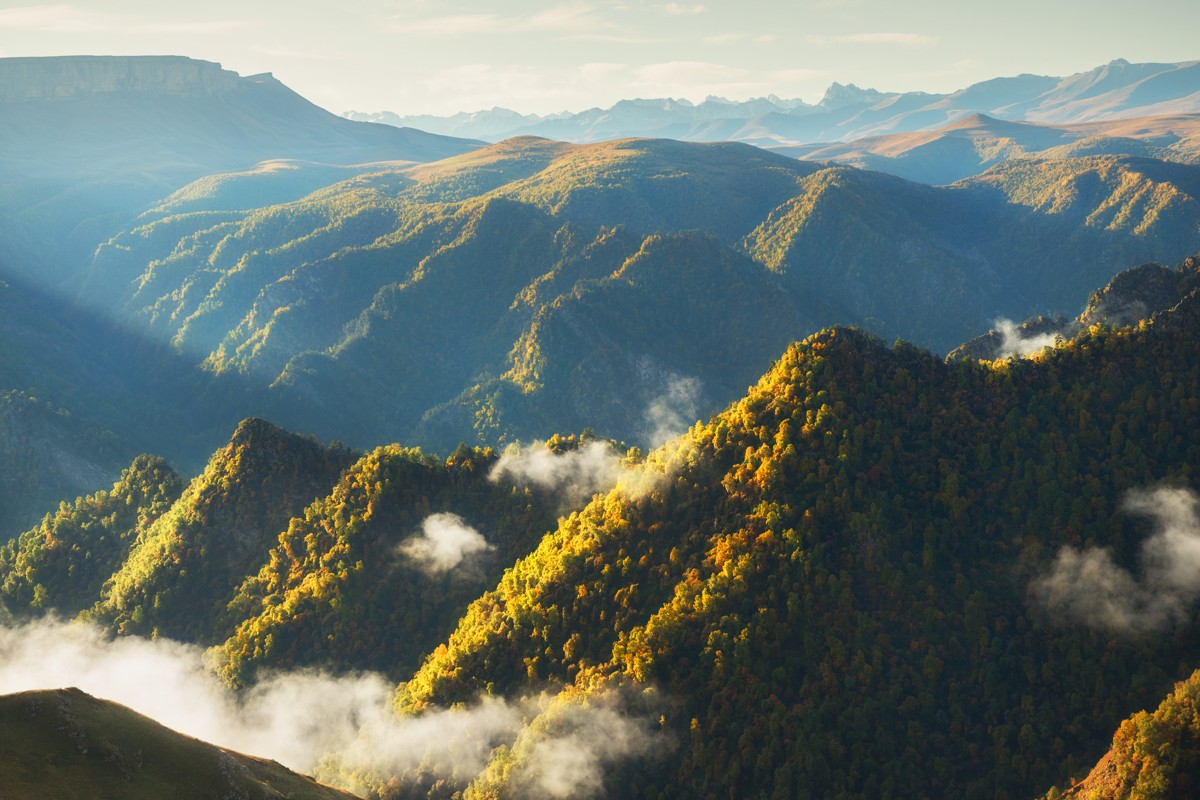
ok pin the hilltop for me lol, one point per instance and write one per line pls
(974, 143)
(69, 745)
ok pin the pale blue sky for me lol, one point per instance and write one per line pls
(431, 56)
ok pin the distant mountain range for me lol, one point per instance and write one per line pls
(1117, 89)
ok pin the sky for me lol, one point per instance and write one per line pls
(545, 56)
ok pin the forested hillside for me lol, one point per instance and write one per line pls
(90, 141)
(286, 552)
(835, 595)
(536, 286)
(80, 397)
(877, 574)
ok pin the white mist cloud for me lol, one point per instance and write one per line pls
(672, 412)
(343, 729)
(569, 751)
(297, 719)
(565, 18)
(1088, 586)
(445, 540)
(1014, 343)
(684, 9)
(576, 474)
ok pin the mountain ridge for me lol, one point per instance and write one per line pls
(1116, 89)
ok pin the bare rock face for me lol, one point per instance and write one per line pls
(67, 77)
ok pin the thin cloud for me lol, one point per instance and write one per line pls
(279, 50)
(342, 728)
(904, 39)
(569, 18)
(1013, 342)
(615, 38)
(72, 19)
(684, 9)
(673, 411)
(445, 541)
(736, 38)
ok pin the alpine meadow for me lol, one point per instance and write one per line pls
(702, 441)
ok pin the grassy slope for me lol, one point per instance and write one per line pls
(66, 744)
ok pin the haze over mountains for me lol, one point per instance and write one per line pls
(1117, 89)
(89, 140)
(604, 286)
(677, 530)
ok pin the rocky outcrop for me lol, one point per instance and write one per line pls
(80, 76)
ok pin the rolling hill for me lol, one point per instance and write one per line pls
(70, 745)
(836, 593)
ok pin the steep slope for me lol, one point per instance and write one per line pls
(62, 564)
(375, 573)
(80, 397)
(338, 309)
(655, 333)
(89, 140)
(1153, 754)
(830, 591)
(69, 745)
(186, 565)
(356, 290)
(287, 553)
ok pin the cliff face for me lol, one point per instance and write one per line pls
(81, 76)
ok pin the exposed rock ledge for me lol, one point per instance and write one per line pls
(79, 76)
